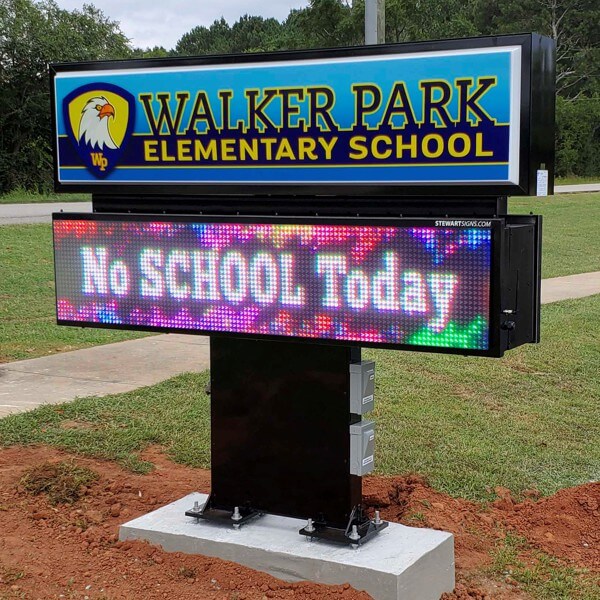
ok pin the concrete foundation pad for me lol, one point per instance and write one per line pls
(399, 563)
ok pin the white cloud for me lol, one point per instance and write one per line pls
(163, 23)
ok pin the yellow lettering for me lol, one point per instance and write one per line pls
(284, 150)
(268, 144)
(184, 150)
(247, 149)
(228, 150)
(306, 148)
(207, 153)
(164, 152)
(479, 151)
(375, 146)
(328, 147)
(466, 144)
(401, 147)
(438, 139)
(360, 151)
(150, 151)
(362, 106)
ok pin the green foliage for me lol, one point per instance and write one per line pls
(322, 24)
(155, 52)
(33, 34)
(578, 136)
(573, 24)
(414, 20)
(249, 34)
(36, 32)
(21, 196)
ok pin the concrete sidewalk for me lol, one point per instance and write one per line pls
(570, 287)
(99, 370)
(579, 187)
(17, 214)
(125, 366)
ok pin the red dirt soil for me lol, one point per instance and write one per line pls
(71, 551)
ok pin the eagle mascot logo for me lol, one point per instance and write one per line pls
(94, 127)
(100, 119)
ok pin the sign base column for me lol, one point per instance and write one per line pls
(280, 438)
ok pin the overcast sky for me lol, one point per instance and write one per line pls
(151, 23)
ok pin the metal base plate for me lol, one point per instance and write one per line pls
(224, 517)
(341, 536)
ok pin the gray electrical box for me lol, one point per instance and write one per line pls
(362, 387)
(362, 447)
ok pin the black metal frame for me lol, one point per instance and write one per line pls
(269, 397)
(522, 260)
(495, 349)
(366, 528)
(209, 512)
(537, 114)
(319, 206)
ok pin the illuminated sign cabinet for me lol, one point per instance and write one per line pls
(298, 206)
(469, 117)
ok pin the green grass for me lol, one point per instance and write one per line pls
(545, 577)
(174, 413)
(27, 317)
(524, 421)
(576, 179)
(571, 243)
(468, 424)
(24, 197)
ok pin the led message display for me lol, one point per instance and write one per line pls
(415, 284)
(393, 118)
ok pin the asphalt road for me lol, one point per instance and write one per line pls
(14, 214)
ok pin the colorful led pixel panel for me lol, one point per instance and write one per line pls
(415, 284)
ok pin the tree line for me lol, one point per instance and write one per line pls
(34, 33)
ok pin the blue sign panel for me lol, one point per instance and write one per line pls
(440, 117)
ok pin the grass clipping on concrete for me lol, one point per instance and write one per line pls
(469, 424)
(62, 482)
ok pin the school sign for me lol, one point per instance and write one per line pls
(297, 207)
(456, 113)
